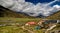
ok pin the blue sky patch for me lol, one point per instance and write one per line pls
(39, 1)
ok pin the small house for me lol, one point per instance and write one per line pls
(30, 23)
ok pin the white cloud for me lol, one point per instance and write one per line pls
(57, 6)
(30, 8)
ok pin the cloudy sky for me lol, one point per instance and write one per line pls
(32, 7)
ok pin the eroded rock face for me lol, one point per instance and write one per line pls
(30, 8)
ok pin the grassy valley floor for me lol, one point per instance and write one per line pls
(8, 25)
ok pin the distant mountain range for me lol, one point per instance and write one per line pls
(4, 12)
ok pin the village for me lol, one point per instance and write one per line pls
(45, 25)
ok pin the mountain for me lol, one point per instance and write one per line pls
(8, 13)
(4, 12)
(54, 16)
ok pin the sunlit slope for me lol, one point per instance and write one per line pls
(55, 16)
